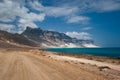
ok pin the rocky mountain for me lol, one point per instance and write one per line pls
(47, 38)
(14, 40)
(37, 37)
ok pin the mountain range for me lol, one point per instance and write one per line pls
(36, 37)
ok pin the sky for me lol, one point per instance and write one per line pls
(98, 20)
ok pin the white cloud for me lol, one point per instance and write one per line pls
(28, 20)
(60, 11)
(54, 11)
(36, 5)
(93, 5)
(79, 35)
(71, 11)
(78, 19)
(105, 5)
(86, 28)
(10, 9)
(7, 27)
(34, 17)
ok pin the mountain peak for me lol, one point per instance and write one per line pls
(30, 28)
(33, 31)
(27, 28)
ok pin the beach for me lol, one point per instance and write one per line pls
(33, 64)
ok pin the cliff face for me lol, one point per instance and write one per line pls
(54, 39)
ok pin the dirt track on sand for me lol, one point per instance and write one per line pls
(25, 65)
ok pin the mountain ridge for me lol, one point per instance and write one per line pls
(36, 37)
(54, 39)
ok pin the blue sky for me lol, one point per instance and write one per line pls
(83, 19)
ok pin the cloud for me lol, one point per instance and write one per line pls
(10, 9)
(36, 5)
(28, 19)
(79, 35)
(53, 10)
(68, 12)
(86, 28)
(78, 19)
(92, 5)
(105, 5)
(7, 27)
(60, 11)
(71, 11)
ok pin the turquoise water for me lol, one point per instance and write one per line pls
(107, 52)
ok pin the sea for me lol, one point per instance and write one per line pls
(106, 52)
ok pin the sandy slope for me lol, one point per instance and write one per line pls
(26, 65)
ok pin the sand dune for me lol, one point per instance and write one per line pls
(26, 65)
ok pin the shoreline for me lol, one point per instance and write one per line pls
(100, 52)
